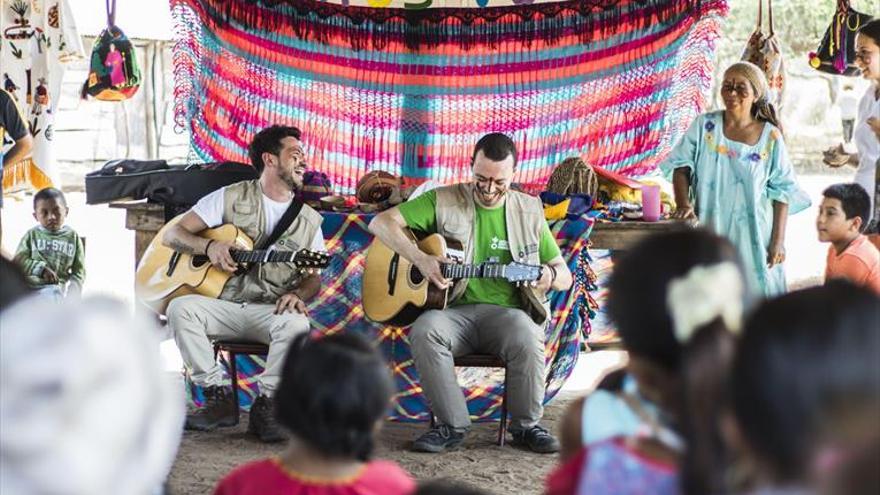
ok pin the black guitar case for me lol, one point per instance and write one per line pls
(159, 182)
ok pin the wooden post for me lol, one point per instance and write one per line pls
(152, 144)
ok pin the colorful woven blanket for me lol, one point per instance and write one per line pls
(338, 309)
(410, 91)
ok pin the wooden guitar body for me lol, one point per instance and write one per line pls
(393, 290)
(164, 274)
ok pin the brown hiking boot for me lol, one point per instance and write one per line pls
(263, 423)
(218, 410)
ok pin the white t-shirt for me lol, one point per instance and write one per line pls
(210, 210)
(849, 105)
(867, 142)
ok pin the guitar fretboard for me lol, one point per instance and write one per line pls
(261, 256)
(490, 270)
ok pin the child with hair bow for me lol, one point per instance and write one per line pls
(677, 300)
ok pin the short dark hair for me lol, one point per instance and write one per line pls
(803, 359)
(269, 141)
(446, 487)
(871, 29)
(496, 147)
(333, 390)
(49, 193)
(854, 200)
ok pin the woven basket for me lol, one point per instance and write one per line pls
(573, 176)
(376, 186)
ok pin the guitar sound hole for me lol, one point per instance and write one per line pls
(415, 275)
(200, 260)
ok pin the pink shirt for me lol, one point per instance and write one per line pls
(267, 477)
(858, 263)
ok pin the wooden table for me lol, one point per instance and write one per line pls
(620, 236)
(145, 219)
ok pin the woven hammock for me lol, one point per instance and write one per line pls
(411, 91)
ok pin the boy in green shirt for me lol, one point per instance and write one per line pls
(51, 253)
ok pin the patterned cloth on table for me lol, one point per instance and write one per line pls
(338, 308)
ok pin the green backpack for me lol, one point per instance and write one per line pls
(114, 74)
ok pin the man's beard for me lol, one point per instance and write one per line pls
(294, 181)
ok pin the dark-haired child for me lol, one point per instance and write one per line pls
(805, 389)
(676, 299)
(445, 487)
(51, 253)
(841, 220)
(334, 392)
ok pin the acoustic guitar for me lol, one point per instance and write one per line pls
(164, 274)
(395, 292)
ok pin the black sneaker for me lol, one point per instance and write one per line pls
(438, 439)
(263, 423)
(218, 410)
(537, 439)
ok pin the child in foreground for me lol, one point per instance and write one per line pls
(51, 253)
(677, 300)
(804, 394)
(333, 395)
(841, 221)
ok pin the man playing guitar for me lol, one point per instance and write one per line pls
(486, 315)
(266, 303)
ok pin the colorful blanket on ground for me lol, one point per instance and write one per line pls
(411, 91)
(338, 308)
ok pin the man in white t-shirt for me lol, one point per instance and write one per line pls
(264, 304)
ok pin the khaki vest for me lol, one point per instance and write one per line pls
(524, 217)
(265, 283)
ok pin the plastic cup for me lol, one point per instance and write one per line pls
(650, 203)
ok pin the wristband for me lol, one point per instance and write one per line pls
(553, 276)
(208, 245)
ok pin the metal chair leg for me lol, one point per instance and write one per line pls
(502, 427)
(233, 369)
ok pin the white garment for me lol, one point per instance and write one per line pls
(849, 105)
(39, 39)
(867, 142)
(210, 210)
(86, 407)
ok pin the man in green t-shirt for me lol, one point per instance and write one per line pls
(494, 224)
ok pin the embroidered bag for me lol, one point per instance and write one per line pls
(573, 176)
(837, 51)
(316, 185)
(113, 71)
(763, 50)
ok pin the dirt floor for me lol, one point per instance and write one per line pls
(205, 457)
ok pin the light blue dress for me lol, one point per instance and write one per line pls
(733, 186)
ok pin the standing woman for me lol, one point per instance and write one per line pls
(732, 171)
(867, 130)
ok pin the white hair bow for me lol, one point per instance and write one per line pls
(704, 294)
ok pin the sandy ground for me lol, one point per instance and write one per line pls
(205, 457)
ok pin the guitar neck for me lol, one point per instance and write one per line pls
(488, 270)
(262, 256)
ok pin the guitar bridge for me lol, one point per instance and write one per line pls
(172, 263)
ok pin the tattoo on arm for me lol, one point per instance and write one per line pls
(181, 247)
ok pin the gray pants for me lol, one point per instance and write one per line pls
(438, 336)
(197, 320)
